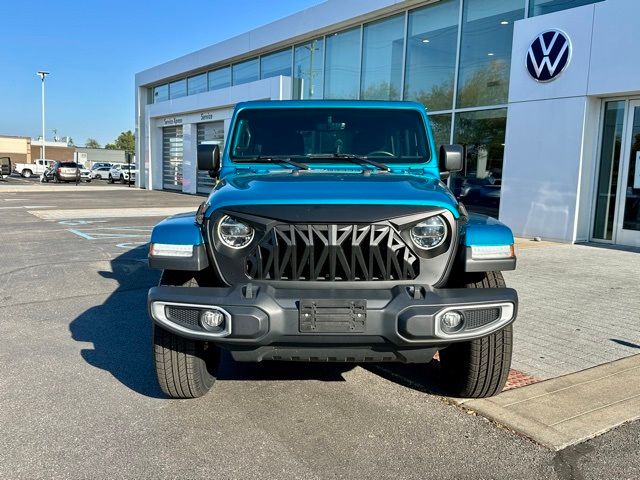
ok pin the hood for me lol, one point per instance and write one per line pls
(319, 188)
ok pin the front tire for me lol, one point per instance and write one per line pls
(479, 368)
(110, 179)
(185, 368)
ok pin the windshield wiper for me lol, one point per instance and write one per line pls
(361, 160)
(279, 160)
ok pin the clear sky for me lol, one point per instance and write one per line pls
(93, 50)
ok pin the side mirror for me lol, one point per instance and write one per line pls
(209, 159)
(451, 158)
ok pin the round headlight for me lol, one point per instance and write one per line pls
(429, 234)
(233, 233)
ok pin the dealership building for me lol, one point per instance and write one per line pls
(544, 95)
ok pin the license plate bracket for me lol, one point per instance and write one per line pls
(332, 316)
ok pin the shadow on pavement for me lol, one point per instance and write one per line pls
(326, 372)
(120, 329)
(624, 343)
(426, 378)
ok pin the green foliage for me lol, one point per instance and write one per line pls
(126, 141)
(91, 143)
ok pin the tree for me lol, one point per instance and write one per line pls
(92, 143)
(126, 141)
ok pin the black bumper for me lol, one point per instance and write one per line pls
(332, 324)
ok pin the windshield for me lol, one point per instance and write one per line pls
(391, 135)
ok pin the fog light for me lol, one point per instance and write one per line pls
(211, 319)
(451, 321)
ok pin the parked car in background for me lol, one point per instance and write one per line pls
(98, 165)
(85, 173)
(100, 172)
(28, 170)
(66, 172)
(5, 167)
(122, 173)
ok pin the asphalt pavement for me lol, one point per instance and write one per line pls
(79, 397)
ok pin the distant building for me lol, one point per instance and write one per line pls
(27, 150)
(89, 156)
(544, 96)
(60, 151)
(18, 149)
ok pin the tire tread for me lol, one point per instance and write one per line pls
(479, 368)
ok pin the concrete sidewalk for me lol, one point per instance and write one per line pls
(567, 410)
(579, 307)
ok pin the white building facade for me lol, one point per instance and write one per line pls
(550, 123)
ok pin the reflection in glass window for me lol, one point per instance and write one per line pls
(485, 55)
(540, 7)
(246, 72)
(609, 166)
(342, 68)
(382, 59)
(431, 54)
(160, 93)
(482, 135)
(178, 88)
(220, 78)
(278, 63)
(197, 84)
(441, 126)
(307, 70)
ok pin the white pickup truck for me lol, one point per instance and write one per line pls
(38, 167)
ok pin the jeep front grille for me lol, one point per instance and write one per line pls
(332, 253)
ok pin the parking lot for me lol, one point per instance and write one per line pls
(79, 398)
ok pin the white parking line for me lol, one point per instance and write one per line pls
(110, 233)
(110, 213)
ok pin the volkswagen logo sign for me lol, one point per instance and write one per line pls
(548, 55)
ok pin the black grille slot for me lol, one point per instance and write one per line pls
(188, 317)
(332, 253)
(480, 317)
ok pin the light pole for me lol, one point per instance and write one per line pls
(42, 74)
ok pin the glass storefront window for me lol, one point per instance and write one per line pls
(631, 220)
(246, 72)
(275, 64)
(540, 7)
(307, 70)
(607, 187)
(178, 88)
(431, 54)
(220, 78)
(441, 126)
(482, 135)
(382, 59)
(342, 68)
(485, 55)
(197, 84)
(160, 93)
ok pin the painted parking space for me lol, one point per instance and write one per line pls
(103, 231)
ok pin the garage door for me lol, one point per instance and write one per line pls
(172, 158)
(212, 132)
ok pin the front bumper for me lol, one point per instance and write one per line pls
(263, 322)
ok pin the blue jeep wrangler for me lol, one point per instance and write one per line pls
(330, 237)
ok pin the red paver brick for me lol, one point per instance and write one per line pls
(516, 378)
